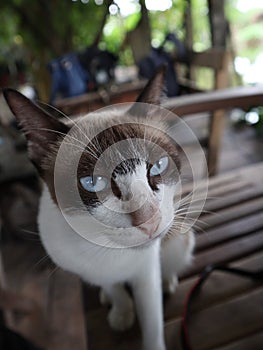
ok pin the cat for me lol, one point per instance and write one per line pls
(108, 208)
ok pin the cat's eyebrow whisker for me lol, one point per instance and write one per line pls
(56, 132)
(70, 119)
(84, 150)
(113, 156)
(53, 108)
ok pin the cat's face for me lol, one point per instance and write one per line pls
(113, 174)
(126, 178)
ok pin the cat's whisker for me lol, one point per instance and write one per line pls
(31, 236)
(53, 271)
(55, 132)
(41, 261)
(71, 120)
(84, 150)
(31, 232)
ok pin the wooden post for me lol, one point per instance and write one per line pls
(217, 120)
(218, 27)
(189, 37)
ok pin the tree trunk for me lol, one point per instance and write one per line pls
(102, 24)
(139, 39)
(218, 23)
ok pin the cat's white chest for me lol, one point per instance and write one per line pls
(93, 263)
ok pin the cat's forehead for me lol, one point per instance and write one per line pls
(112, 127)
(122, 146)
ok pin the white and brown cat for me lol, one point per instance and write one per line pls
(108, 208)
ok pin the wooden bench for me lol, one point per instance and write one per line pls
(88, 102)
(230, 231)
(229, 310)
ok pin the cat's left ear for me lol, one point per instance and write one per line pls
(153, 90)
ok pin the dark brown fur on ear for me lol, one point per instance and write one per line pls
(41, 129)
(152, 92)
(155, 87)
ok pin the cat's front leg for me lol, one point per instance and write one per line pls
(147, 291)
(121, 315)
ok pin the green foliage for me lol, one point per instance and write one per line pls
(247, 29)
(8, 34)
(201, 29)
(38, 31)
(50, 27)
(169, 21)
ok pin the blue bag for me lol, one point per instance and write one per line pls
(69, 78)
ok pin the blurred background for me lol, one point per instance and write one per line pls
(33, 34)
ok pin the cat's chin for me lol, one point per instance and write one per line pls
(134, 237)
(131, 238)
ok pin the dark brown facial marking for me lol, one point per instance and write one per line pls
(157, 145)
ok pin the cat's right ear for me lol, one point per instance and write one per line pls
(40, 128)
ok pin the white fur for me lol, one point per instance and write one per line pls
(140, 266)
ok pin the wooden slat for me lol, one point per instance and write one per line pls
(218, 288)
(93, 100)
(228, 188)
(229, 231)
(218, 203)
(249, 180)
(211, 58)
(66, 313)
(227, 252)
(26, 283)
(252, 342)
(242, 97)
(232, 213)
(56, 320)
(103, 337)
(231, 320)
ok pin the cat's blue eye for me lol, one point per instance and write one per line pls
(159, 167)
(94, 183)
